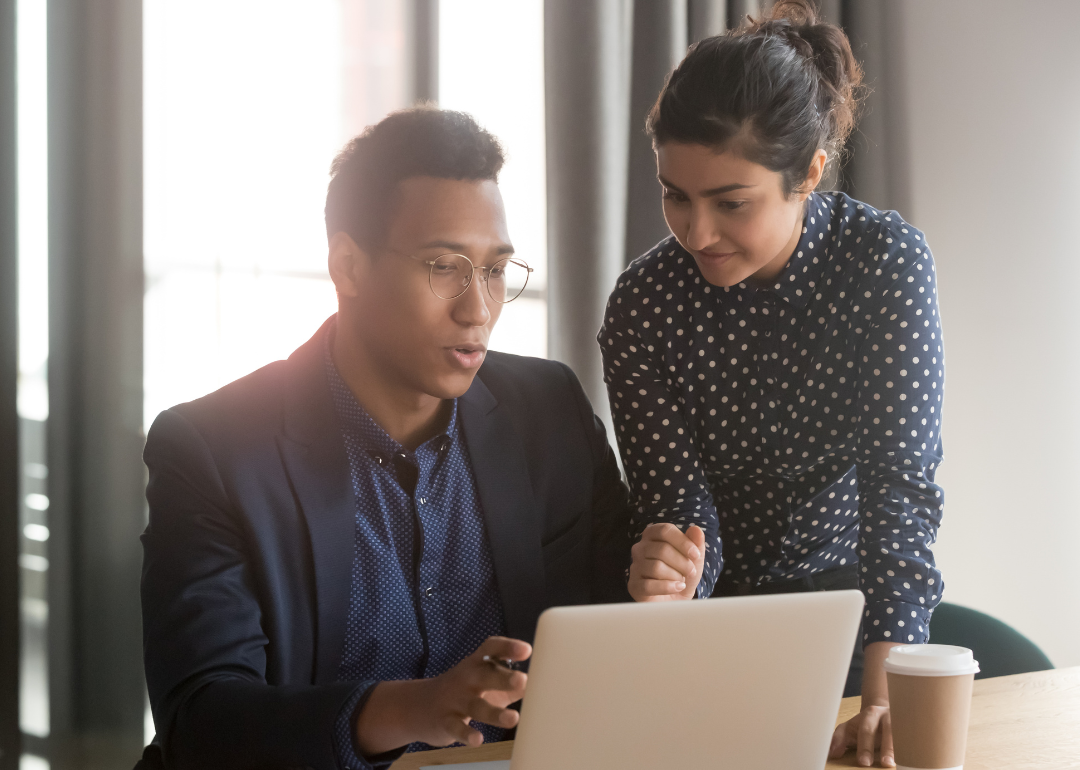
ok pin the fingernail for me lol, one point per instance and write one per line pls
(694, 552)
(681, 586)
(865, 760)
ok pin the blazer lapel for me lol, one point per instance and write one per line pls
(511, 512)
(313, 451)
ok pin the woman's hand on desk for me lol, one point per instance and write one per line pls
(871, 727)
(667, 564)
(437, 711)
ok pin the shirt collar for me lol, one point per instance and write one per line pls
(799, 279)
(370, 436)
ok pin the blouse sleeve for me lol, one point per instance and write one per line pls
(901, 377)
(662, 466)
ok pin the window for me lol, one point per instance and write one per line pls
(491, 65)
(246, 104)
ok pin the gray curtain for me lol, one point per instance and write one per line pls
(605, 63)
(96, 477)
(877, 169)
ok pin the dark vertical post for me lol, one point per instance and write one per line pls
(831, 11)
(587, 90)
(426, 50)
(10, 742)
(738, 10)
(707, 18)
(877, 169)
(659, 44)
(95, 382)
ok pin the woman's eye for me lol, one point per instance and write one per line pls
(671, 195)
(731, 205)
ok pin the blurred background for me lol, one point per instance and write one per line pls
(163, 168)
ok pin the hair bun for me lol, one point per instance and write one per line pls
(827, 49)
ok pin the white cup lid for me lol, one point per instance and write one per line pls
(931, 660)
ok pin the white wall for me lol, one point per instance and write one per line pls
(994, 128)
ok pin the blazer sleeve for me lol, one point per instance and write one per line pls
(203, 642)
(610, 506)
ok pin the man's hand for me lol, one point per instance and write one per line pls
(438, 711)
(667, 564)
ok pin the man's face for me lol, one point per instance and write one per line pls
(422, 343)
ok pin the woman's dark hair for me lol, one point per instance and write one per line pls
(421, 141)
(782, 88)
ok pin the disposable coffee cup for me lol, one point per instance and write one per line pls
(930, 703)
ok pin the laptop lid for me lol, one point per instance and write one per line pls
(741, 682)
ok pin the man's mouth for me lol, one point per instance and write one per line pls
(468, 356)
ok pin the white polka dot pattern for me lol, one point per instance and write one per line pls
(798, 424)
(423, 594)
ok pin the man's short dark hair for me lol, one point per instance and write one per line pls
(421, 141)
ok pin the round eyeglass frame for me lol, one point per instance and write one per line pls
(487, 270)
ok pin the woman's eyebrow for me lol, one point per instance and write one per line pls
(708, 193)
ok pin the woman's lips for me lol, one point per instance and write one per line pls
(714, 258)
(467, 358)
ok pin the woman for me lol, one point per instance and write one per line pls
(775, 367)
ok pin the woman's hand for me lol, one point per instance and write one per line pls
(871, 727)
(667, 564)
(866, 731)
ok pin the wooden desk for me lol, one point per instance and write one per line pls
(1022, 722)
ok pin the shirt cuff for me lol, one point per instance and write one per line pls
(896, 622)
(345, 748)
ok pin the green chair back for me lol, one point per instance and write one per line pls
(1000, 649)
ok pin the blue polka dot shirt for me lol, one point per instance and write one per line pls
(423, 595)
(799, 424)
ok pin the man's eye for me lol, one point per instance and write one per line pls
(442, 269)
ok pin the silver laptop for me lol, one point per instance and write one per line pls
(743, 682)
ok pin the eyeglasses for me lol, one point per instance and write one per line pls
(452, 274)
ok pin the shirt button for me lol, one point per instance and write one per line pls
(429, 592)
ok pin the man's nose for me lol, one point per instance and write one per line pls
(471, 308)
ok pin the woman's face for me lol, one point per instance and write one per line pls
(731, 214)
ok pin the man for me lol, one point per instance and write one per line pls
(346, 547)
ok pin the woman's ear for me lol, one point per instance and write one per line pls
(814, 174)
(347, 263)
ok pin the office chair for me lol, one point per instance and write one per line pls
(1000, 649)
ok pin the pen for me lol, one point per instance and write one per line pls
(501, 662)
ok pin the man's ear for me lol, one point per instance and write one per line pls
(348, 264)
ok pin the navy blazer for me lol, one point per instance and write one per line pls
(248, 552)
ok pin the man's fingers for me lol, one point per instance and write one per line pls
(490, 676)
(504, 648)
(482, 711)
(456, 729)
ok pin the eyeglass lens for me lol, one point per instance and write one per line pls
(451, 275)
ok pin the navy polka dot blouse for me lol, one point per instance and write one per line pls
(424, 595)
(797, 424)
